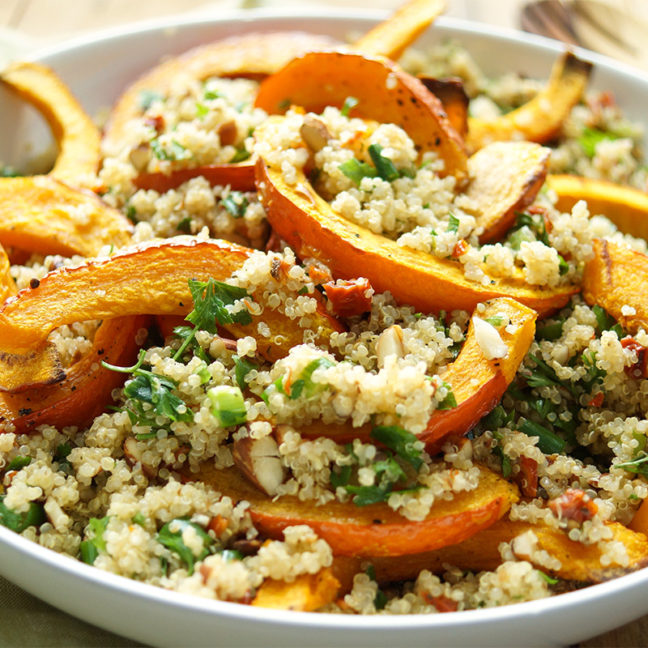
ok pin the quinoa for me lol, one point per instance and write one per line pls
(133, 492)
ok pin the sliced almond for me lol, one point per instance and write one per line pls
(133, 452)
(390, 342)
(314, 133)
(259, 461)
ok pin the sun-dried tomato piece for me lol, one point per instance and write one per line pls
(441, 603)
(574, 504)
(528, 476)
(640, 368)
(349, 297)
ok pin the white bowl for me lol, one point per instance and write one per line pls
(97, 68)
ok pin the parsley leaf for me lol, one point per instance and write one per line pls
(356, 170)
(449, 401)
(18, 522)
(453, 223)
(591, 137)
(91, 548)
(384, 166)
(235, 203)
(242, 368)
(173, 541)
(170, 152)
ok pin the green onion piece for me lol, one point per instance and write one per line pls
(18, 522)
(88, 552)
(228, 405)
(405, 444)
(548, 441)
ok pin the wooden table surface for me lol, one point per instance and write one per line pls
(45, 21)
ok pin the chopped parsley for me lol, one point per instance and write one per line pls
(449, 401)
(242, 368)
(591, 137)
(18, 522)
(349, 104)
(235, 203)
(241, 154)
(453, 223)
(169, 152)
(173, 541)
(356, 170)
(384, 166)
(19, 462)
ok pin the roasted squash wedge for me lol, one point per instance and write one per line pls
(616, 278)
(308, 223)
(385, 93)
(75, 133)
(251, 55)
(626, 207)
(86, 388)
(454, 99)
(505, 177)
(478, 384)
(580, 563)
(306, 593)
(148, 279)
(43, 215)
(401, 29)
(373, 530)
(540, 119)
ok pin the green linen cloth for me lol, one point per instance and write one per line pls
(27, 622)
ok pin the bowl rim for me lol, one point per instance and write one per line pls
(66, 565)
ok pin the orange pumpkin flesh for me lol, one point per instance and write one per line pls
(86, 388)
(373, 530)
(478, 384)
(75, 133)
(616, 277)
(626, 207)
(540, 119)
(385, 93)
(148, 279)
(310, 226)
(43, 215)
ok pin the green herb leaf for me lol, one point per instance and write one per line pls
(310, 387)
(550, 331)
(548, 441)
(384, 166)
(638, 466)
(349, 104)
(356, 170)
(18, 522)
(449, 400)
(184, 225)
(210, 95)
(341, 476)
(147, 98)
(591, 137)
(171, 152)
(19, 462)
(242, 368)
(453, 223)
(496, 321)
(365, 495)
(241, 154)
(547, 578)
(201, 110)
(173, 541)
(405, 444)
(139, 519)
(88, 552)
(211, 299)
(235, 203)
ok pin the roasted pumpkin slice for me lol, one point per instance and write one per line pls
(7, 284)
(391, 37)
(75, 133)
(505, 177)
(43, 215)
(373, 530)
(540, 119)
(385, 93)
(477, 383)
(454, 99)
(306, 593)
(626, 207)
(616, 279)
(147, 279)
(239, 176)
(313, 229)
(579, 562)
(86, 388)
(250, 55)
